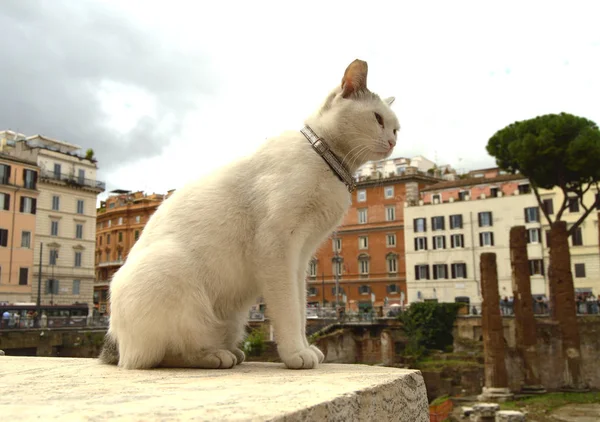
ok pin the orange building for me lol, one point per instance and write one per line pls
(370, 246)
(18, 203)
(120, 221)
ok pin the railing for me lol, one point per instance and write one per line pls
(71, 179)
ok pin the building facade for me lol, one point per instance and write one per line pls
(119, 223)
(454, 222)
(365, 257)
(65, 218)
(18, 203)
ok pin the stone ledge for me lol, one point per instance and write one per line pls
(68, 389)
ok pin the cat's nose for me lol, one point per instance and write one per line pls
(392, 143)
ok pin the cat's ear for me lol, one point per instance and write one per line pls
(355, 78)
(389, 100)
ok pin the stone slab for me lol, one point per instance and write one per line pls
(68, 389)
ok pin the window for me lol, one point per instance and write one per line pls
(392, 263)
(362, 216)
(136, 234)
(340, 291)
(534, 235)
(76, 286)
(390, 240)
(459, 270)
(78, 259)
(108, 239)
(485, 219)
(107, 256)
(462, 195)
(120, 221)
(493, 192)
(524, 188)
(80, 206)
(3, 237)
(81, 176)
(457, 241)
(437, 223)
(53, 256)
(337, 266)
(548, 206)
(4, 201)
(26, 239)
(52, 286)
(456, 221)
(364, 290)
(536, 267)
(28, 205)
(420, 225)
(577, 238)
(421, 272)
(312, 268)
(361, 195)
(57, 171)
(79, 231)
(312, 291)
(54, 228)
(486, 239)
(436, 198)
(109, 223)
(389, 192)
(4, 174)
(440, 271)
(29, 179)
(138, 219)
(23, 276)
(573, 204)
(120, 236)
(390, 213)
(100, 240)
(111, 205)
(420, 243)
(393, 289)
(363, 242)
(55, 203)
(337, 244)
(119, 255)
(439, 242)
(532, 215)
(580, 270)
(363, 265)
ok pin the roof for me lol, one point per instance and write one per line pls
(473, 181)
(9, 157)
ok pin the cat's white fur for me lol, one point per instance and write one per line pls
(250, 229)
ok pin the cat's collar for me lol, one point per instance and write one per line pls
(330, 158)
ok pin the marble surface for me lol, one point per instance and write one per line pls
(68, 389)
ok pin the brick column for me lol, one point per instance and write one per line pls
(496, 377)
(561, 278)
(526, 340)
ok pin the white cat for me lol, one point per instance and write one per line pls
(182, 297)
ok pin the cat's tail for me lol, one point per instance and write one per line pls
(110, 351)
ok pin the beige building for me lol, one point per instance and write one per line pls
(66, 217)
(456, 221)
(18, 200)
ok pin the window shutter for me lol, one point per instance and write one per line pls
(415, 225)
(22, 207)
(444, 242)
(33, 206)
(465, 269)
(417, 272)
(491, 218)
(35, 179)
(480, 239)
(24, 177)
(453, 268)
(443, 223)
(427, 272)
(542, 269)
(8, 173)
(527, 236)
(424, 224)
(6, 201)
(425, 243)
(47, 287)
(416, 248)
(434, 243)
(492, 238)
(435, 272)
(479, 219)
(526, 215)
(452, 241)
(446, 271)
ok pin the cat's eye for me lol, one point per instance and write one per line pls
(395, 132)
(379, 119)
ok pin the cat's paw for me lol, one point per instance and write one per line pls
(304, 359)
(239, 355)
(318, 352)
(219, 359)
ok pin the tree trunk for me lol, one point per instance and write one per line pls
(493, 332)
(561, 278)
(523, 306)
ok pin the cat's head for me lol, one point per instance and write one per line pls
(356, 123)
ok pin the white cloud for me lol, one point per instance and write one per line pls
(459, 70)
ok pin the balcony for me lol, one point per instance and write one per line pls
(72, 180)
(116, 263)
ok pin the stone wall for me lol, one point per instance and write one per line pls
(549, 349)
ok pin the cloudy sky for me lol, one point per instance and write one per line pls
(165, 91)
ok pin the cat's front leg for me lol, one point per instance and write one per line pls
(301, 283)
(283, 303)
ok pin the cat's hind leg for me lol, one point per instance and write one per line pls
(204, 359)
